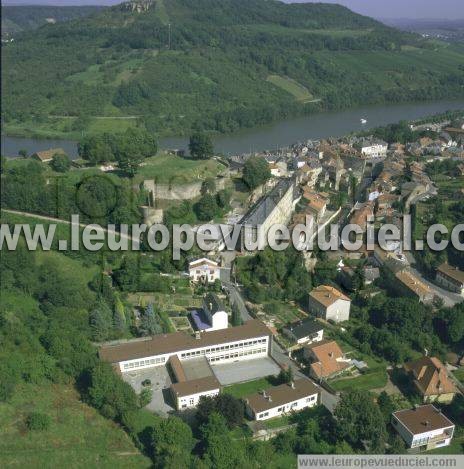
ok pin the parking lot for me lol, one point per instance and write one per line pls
(247, 370)
(160, 381)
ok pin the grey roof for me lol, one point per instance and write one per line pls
(259, 213)
(213, 303)
(305, 328)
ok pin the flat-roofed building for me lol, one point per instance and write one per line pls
(250, 340)
(282, 399)
(451, 278)
(327, 302)
(423, 428)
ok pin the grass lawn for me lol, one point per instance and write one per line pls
(78, 436)
(244, 389)
(377, 379)
(300, 92)
(166, 168)
(459, 374)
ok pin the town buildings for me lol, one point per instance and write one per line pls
(423, 428)
(47, 155)
(306, 331)
(276, 207)
(410, 284)
(326, 359)
(282, 399)
(328, 303)
(204, 270)
(431, 379)
(212, 316)
(251, 340)
(451, 278)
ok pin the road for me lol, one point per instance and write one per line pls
(68, 222)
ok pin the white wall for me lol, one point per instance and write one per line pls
(192, 400)
(339, 311)
(307, 401)
(420, 439)
(221, 353)
(220, 321)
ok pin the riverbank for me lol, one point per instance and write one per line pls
(277, 135)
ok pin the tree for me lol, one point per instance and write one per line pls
(101, 321)
(60, 163)
(149, 322)
(201, 146)
(109, 393)
(172, 441)
(145, 397)
(255, 172)
(206, 208)
(22, 153)
(38, 421)
(208, 186)
(386, 405)
(360, 421)
(229, 407)
(236, 316)
(119, 315)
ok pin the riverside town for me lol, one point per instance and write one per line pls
(232, 234)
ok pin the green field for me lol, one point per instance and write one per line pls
(77, 437)
(244, 389)
(368, 381)
(165, 168)
(300, 92)
(459, 374)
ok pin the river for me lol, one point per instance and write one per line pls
(280, 134)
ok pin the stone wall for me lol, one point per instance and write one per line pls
(179, 191)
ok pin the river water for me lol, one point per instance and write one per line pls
(276, 135)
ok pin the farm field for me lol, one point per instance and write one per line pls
(300, 92)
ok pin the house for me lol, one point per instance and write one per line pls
(204, 270)
(47, 155)
(280, 400)
(316, 204)
(423, 427)
(212, 317)
(371, 148)
(370, 274)
(278, 168)
(410, 284)
(451, 278)
(326, 359)
(431, 379)
(363, 213)
(306, 331)
(329, 303)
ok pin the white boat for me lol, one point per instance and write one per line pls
(363, 121)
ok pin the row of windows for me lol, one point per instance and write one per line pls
(248, 343)
(238, 354)
(152, 361)
(292, 406)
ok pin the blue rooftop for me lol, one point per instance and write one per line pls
(200, 319)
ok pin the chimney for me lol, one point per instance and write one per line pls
(292, 384)
(197, 335)
(269, 398)
(210, 306)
